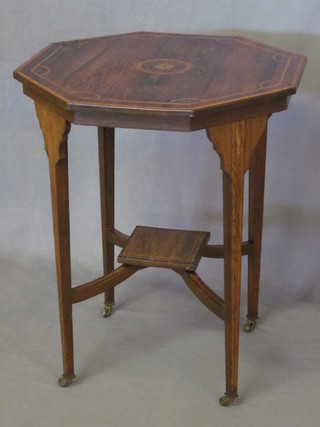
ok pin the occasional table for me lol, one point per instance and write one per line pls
(229, 86)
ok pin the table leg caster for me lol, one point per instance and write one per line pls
(250, 325)
(226, 400)
(107, 309)
(65, 380)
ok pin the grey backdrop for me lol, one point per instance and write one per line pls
(168, 180)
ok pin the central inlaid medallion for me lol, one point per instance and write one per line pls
(164, 66)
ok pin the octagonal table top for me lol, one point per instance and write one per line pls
(161, 81)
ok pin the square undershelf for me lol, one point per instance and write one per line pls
(166, 248)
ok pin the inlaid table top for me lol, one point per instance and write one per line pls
(169, 81)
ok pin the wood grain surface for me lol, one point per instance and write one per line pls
(162, 81)
(160, 247)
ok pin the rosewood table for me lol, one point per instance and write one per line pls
(227, 85)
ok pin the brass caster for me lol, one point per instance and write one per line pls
(226, 400)
(107, 309)
(250, 325)
(65, 380)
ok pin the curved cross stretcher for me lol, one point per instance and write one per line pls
(157, 247)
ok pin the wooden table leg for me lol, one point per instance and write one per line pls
(235, 144)
(232, 225)
(106, 164)
(55, 131)
(256, 199)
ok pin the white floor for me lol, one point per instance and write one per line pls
(157, 361)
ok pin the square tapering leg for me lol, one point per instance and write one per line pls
(256, 202)
(106, 167)
(55, 131)
(235, 143)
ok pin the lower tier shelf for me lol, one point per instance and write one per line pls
(166, 248)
